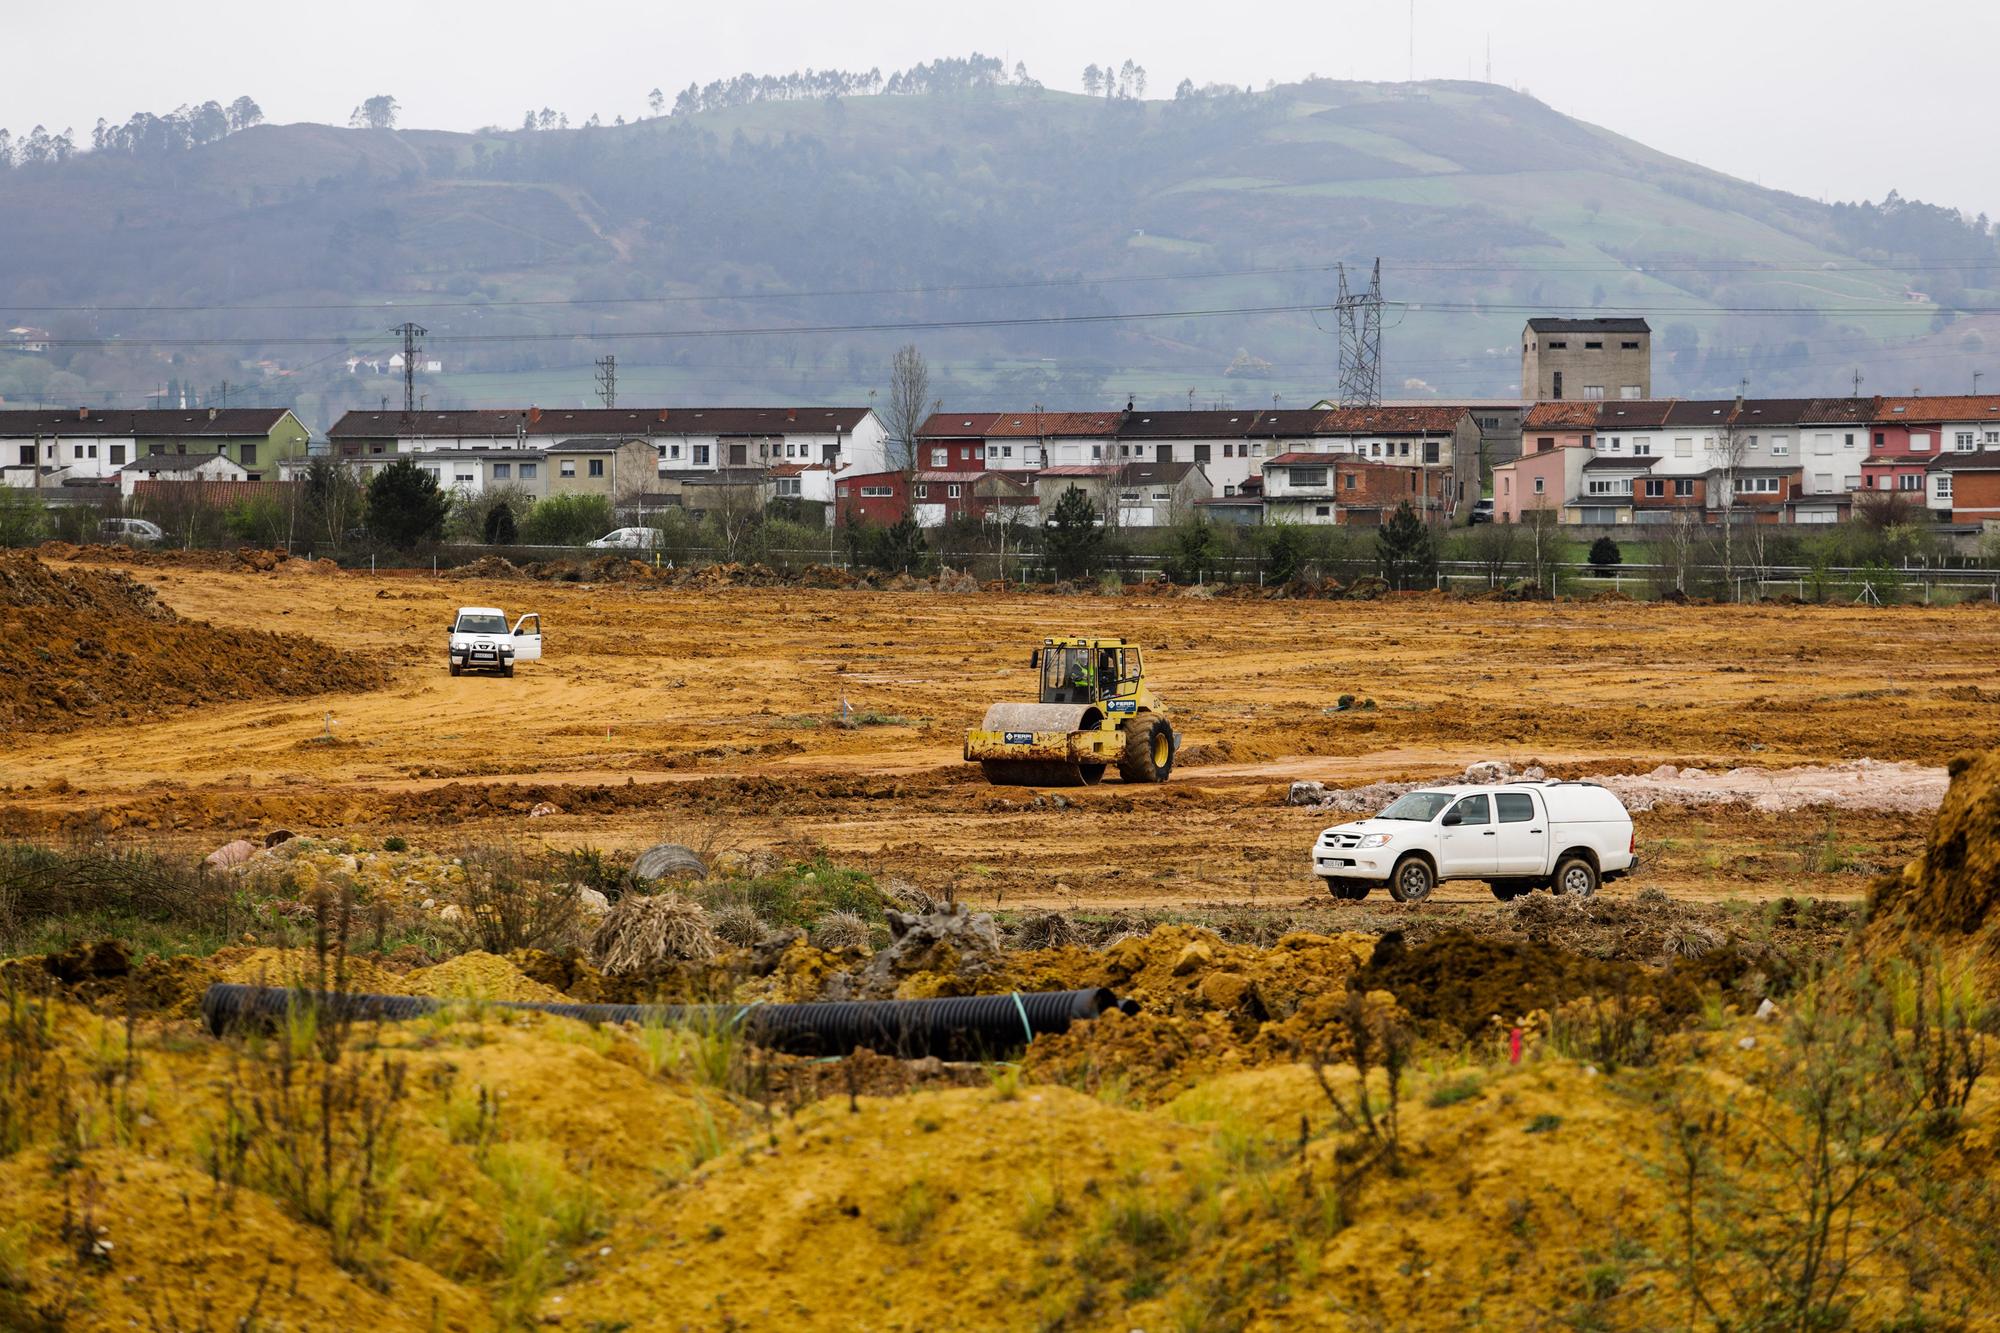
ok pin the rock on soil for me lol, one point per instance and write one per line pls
(944, 952)
(83, 645)
(1859, 784)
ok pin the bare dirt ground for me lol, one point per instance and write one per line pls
(714, 716)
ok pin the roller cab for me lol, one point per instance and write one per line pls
(1095, 711)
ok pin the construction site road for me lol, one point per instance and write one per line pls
(795, 718)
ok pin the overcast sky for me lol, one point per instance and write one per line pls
(1837, 99)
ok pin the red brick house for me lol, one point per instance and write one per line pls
(871, 497)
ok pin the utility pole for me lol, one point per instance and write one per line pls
(1976, 376)
(607, 380)
(1857, 381)
(1361, 342)
(411, 332)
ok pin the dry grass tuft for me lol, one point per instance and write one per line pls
(1046, 930)
(644, 931)
(738, 924)
(840, 930)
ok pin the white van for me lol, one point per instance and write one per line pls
(480, 641)
(1520, 836)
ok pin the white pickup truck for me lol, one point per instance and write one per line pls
(1565, 836)
(481, 641)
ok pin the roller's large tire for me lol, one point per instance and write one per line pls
(669, 860)
(1039, 773)
(1149, 750)
(1347, 890)
(1412, 880)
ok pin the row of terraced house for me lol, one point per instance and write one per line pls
(1773, 460)
(1600, 460)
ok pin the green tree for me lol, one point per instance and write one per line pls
(902, 548)
(1405, 551)
(499, 526)
(1281, 550)
(1072, 538)
(567, 520)
(23, 520)
(263, 521)
(1604, 553)
(405, 506)
(1192, 548)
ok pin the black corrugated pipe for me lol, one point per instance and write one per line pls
(971, 1027)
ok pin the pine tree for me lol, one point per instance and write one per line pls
(1406, 551)
(1074, 541)
(500, 529)
(1604, 553)
(405, 506)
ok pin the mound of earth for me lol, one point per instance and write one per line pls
(81, 646)
(1953, 886)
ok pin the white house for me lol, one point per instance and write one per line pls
(179, 467)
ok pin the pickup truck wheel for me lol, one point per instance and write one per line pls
(1412, 880)
(507, 669)
(1347, 890)
(1576, 877)
(455, 667)
(1149, 750)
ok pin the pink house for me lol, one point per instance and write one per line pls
(1545, 479)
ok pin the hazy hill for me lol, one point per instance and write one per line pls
(1472, 194)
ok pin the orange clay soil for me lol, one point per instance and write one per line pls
(664, 712)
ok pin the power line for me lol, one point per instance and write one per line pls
(411, 332)
(607, 380)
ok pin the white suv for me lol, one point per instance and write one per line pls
(1565, 836)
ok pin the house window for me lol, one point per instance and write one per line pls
(876, 492)
(1941, 486)
(1593, 391)
(1229, 451)
(568, 467)
(249, 458)
(1961, 441)
(462, 478)
(923, 492)
(951, 492)
(1920, 444)
(1353, 481)
(1593, 346)
(1629, 391)
(528, 471)
(1541, 485)
(1642, 448)
(1631, 346)
(1878, 439)
(1322, 511)
(789, 486)
(939, 457)
(1782, 445)
(1544, 442)
(673, 451)
(1683, 487)
(1684, 447)
(1611, 444)
(1430, 451)
(117, 453)
(596, 467)
(1992, 439)
(1096, 452)
(1909, 481)
(1304, 477)
(1558, 346)
(1201, 453)
(502, 471)
(1655, 488)
(700, 458)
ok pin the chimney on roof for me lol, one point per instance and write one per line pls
(83, 414)
(211, 414)
(534, 416)
(791, 414)
(663, 414)
(1128, 404)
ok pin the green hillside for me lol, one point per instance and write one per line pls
(1021, 203)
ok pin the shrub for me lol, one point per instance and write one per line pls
(23, 520)
(1406, 551)
(567, 520)
(1072, 537)
(1604, 553)
(499, 528)
(506, 905)
(642, 932)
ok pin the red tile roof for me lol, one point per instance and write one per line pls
(1013, 425)
(1307, 458)
(1392, 421)
(600, 421)
(957, 425)
(1964, 407)
(1557, 415)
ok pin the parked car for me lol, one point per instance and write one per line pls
(1482, 512)
(1565, 836)
(630, 539)
(131, 531)
(480, 640)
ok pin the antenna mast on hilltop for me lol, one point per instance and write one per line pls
(1361, 342)
(607, 380)
(411, 332)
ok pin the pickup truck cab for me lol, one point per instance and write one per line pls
(1521, 836)
(481, 641)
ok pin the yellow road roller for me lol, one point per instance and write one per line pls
(1096, 710)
